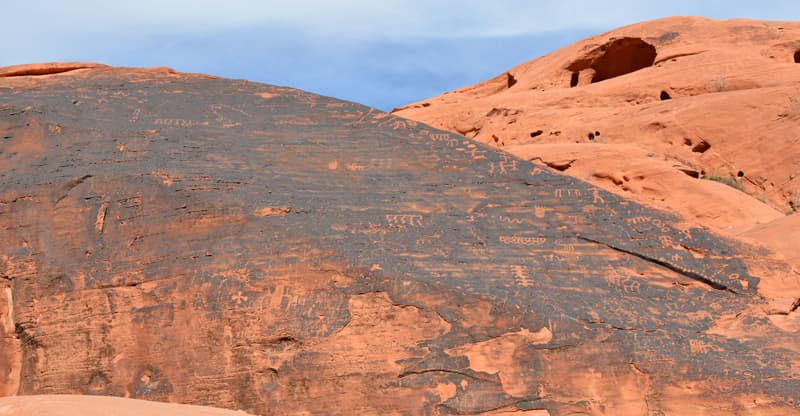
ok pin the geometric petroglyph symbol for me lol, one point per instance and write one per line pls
(521, 275)
(375, 163)
(631, 286)
(510, 220)
(444, 137)
(561, 193)
(402, 220)
(522, 241)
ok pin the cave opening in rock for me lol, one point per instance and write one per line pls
(797, 56)
(573, 81)
(510, 80)
(701, 147)
(664, 96)
(615, 58)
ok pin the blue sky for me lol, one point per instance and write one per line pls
(381, 53)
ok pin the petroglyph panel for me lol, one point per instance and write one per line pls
(303, 255)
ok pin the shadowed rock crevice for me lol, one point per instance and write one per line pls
(797, 56)
(613, 59)
(44, 69)
(667, 265)
(701, 147)
(510, 80)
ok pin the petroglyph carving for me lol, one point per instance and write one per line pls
(631, 285)
(521, 275)
(597, 199)
(510, 220)
(448, 140)
(504, 166)
(374, 163)
(217, 110)
(239, 298)
(568, 193)
(522, 241)
(552, 258)
(178, 122)
(100, 221)
(403, 220)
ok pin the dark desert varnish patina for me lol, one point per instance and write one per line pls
(186, 238)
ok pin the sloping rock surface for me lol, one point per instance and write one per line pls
(646, 110)
(184, 238)
(67, 405)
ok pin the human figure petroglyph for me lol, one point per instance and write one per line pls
(597, 199)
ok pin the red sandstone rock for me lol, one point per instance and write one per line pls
(190, 239)
(644, 110)
(65, 405)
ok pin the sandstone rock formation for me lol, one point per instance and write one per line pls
(647, 109)
(69, 405)
(190, 239)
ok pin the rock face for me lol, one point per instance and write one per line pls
(66, 405)
(190, 239)
(645, 110)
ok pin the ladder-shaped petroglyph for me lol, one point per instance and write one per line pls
(522, 275)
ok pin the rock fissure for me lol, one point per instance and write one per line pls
(692, 275)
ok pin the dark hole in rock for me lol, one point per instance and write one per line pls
(573, 81)
(701, 147)
(510, 80)
(615, 58)
(691, 172)
(496, 139)
(597, 133)
(797, 56)
(664, 96)
(687, 141)
(591, 136)
(740, 174)
(536, 133)
(560, 166)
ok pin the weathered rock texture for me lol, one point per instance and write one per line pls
(67, 405)
(645, 110)
(184, 238)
